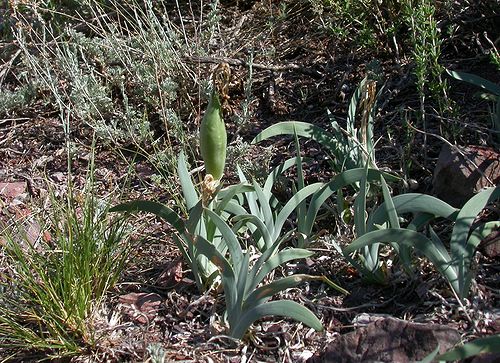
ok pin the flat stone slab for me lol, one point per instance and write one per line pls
(389, 340)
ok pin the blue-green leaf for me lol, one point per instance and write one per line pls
(261, 228)
(284, 308)
(476, 81)
(155, 208)
(460, 250)
(489, 344)
(277, 260)
(190, 195)
(229, 238)
(292, 204)
(413, 239)
(416, 203)
(341, 180)
(229, 280)
(303, 129)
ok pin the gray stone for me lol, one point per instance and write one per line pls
(389, 340)
(456, 177)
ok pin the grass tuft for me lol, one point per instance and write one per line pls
(54, 282)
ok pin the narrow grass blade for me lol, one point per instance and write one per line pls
(285, 308)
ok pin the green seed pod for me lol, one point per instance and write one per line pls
(213, 138)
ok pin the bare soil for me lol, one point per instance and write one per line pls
(298, 73)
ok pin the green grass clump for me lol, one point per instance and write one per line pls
(53, 283)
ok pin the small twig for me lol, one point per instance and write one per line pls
(244, 63)
(8, 65)
(7, 138)
(464, 309)
(223, 337)
(13, 151)
(7, 120)
(362, 306)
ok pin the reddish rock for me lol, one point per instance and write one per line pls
(141, 307)
(491, 244)
(12, 190)
(456, 177)
(389, 340)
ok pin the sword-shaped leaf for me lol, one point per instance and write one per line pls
(427, 246)
(285, 308)
(303, 129)
(461, 251)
